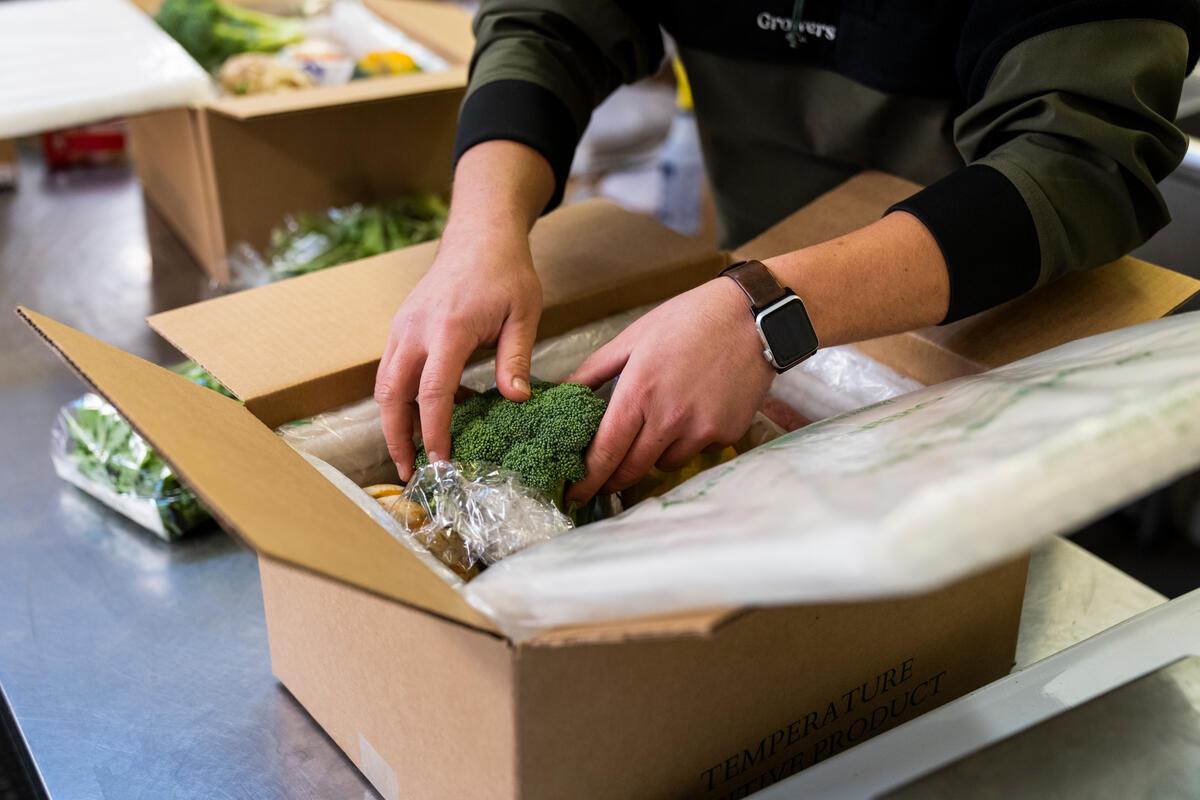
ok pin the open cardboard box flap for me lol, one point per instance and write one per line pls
(257, 486)
(312, 343)
(1116, 295)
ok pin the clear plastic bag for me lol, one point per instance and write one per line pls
(349, 439)
(94, 448)
(477, 515)
(388, 522)
(359, 31)
(832, 382)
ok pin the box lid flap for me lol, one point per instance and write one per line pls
(312, 343)
(1117, 295)
(251, 481)
(1125, 292)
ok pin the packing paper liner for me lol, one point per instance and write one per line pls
(900, 497)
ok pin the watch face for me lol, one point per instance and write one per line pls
(788, 332)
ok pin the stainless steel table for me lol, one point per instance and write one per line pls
(137, 669)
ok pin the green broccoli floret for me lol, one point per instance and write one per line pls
(542, 440)
(212, 31)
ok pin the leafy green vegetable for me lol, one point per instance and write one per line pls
(197, 374)
(104, 449)
(542, 440)
(212, 31)
(312, 242)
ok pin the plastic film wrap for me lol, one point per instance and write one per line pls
(95, 449)
(487, 509)
(375, 511)
(898, 497)
(832, 382)
(349, 439)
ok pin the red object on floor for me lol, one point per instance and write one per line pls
(91, 145)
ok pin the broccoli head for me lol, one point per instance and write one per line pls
(212, 31)
(542, 440)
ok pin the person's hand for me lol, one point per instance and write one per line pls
(481, 291)
(692, 375)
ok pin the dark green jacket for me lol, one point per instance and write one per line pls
(1040, 128)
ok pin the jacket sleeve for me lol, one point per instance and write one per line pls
(540, 67)
(1067, 129)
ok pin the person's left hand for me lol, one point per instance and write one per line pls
(692, 375)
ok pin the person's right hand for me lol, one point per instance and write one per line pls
(481, 291)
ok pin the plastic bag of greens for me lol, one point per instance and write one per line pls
(94, 448)
(311, 242)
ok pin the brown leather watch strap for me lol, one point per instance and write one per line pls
(757, 282)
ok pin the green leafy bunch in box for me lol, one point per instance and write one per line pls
(312, 242)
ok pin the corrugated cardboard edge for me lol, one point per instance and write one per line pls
(436, 599)
(698, 624)
(179, 183)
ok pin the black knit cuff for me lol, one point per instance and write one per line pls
(986, 234)
(523, 112)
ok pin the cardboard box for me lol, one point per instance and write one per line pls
(421, 690)
(229, 171)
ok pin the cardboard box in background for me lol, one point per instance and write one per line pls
(421, 690)
(231, 170)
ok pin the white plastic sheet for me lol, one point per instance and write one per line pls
(837, 380)
(352, 25)
(899, 497)
(71, 62)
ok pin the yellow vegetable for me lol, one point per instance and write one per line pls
(386, 62)
(379, 490)
(658, 482)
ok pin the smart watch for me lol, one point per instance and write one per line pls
(779, 315)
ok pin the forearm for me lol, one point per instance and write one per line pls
(888, 277)
(500, 187)
(541, 66)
